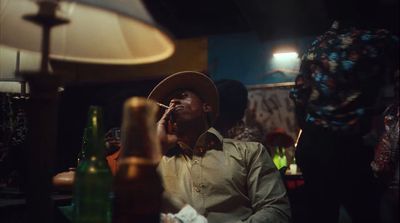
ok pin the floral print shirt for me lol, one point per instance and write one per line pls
(386, 160)
(341, 74)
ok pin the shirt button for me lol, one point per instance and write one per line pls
(195, 161)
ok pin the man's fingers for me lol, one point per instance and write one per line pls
(172, 139)
(166, 116)
(168, 112)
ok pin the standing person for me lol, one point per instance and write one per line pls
(340, 78)
(386, 160)
(224, 180)
(233, 101)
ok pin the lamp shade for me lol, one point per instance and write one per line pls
(99, 31)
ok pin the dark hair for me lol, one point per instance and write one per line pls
(232, 98)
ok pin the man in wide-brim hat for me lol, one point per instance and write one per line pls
(224, 180)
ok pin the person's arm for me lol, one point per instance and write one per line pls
(165, 130)
(266, 190)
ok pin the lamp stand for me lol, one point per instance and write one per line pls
(42, 121)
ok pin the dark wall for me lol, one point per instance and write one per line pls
(73, 107)
(271, 19)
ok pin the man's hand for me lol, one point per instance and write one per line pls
(186, 215)
(165, 129)
(169, 218)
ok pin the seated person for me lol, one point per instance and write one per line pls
(113, 145)
(225, 180)
(233, 100)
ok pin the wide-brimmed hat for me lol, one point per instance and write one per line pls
(194, 81)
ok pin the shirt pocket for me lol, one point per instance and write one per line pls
(224, 173)
(172, 177)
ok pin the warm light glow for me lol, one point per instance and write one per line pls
(286, 55)
(285, 59)
(10, 86)
(101, 32)
(92, 170)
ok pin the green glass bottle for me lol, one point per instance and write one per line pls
(279, 157)
(82, 154)
(283, 159)
(93, 179)
(276, 157)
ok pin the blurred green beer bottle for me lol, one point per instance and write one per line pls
(82, 154)
(93, 179)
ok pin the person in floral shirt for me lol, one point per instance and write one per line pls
(336, 94)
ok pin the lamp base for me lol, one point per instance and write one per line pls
(42, 113)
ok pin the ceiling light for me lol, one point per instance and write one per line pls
(286, 55)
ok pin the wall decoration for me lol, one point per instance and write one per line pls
(270, 107)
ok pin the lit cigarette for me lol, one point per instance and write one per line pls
(162, 105)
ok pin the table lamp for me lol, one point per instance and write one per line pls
(90, 31)
(99, 31)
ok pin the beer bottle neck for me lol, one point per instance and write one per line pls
(95, 146)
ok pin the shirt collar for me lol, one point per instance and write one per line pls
(209, 140)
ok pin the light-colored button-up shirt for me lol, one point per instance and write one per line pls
(226, 180)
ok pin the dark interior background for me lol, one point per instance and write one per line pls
(110, 85)
(74, 104)
(270, 20)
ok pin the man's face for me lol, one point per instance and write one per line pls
(187, 106)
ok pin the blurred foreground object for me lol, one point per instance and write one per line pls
(137, 185)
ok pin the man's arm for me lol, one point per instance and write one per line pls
(165, 131)
(266, 190)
